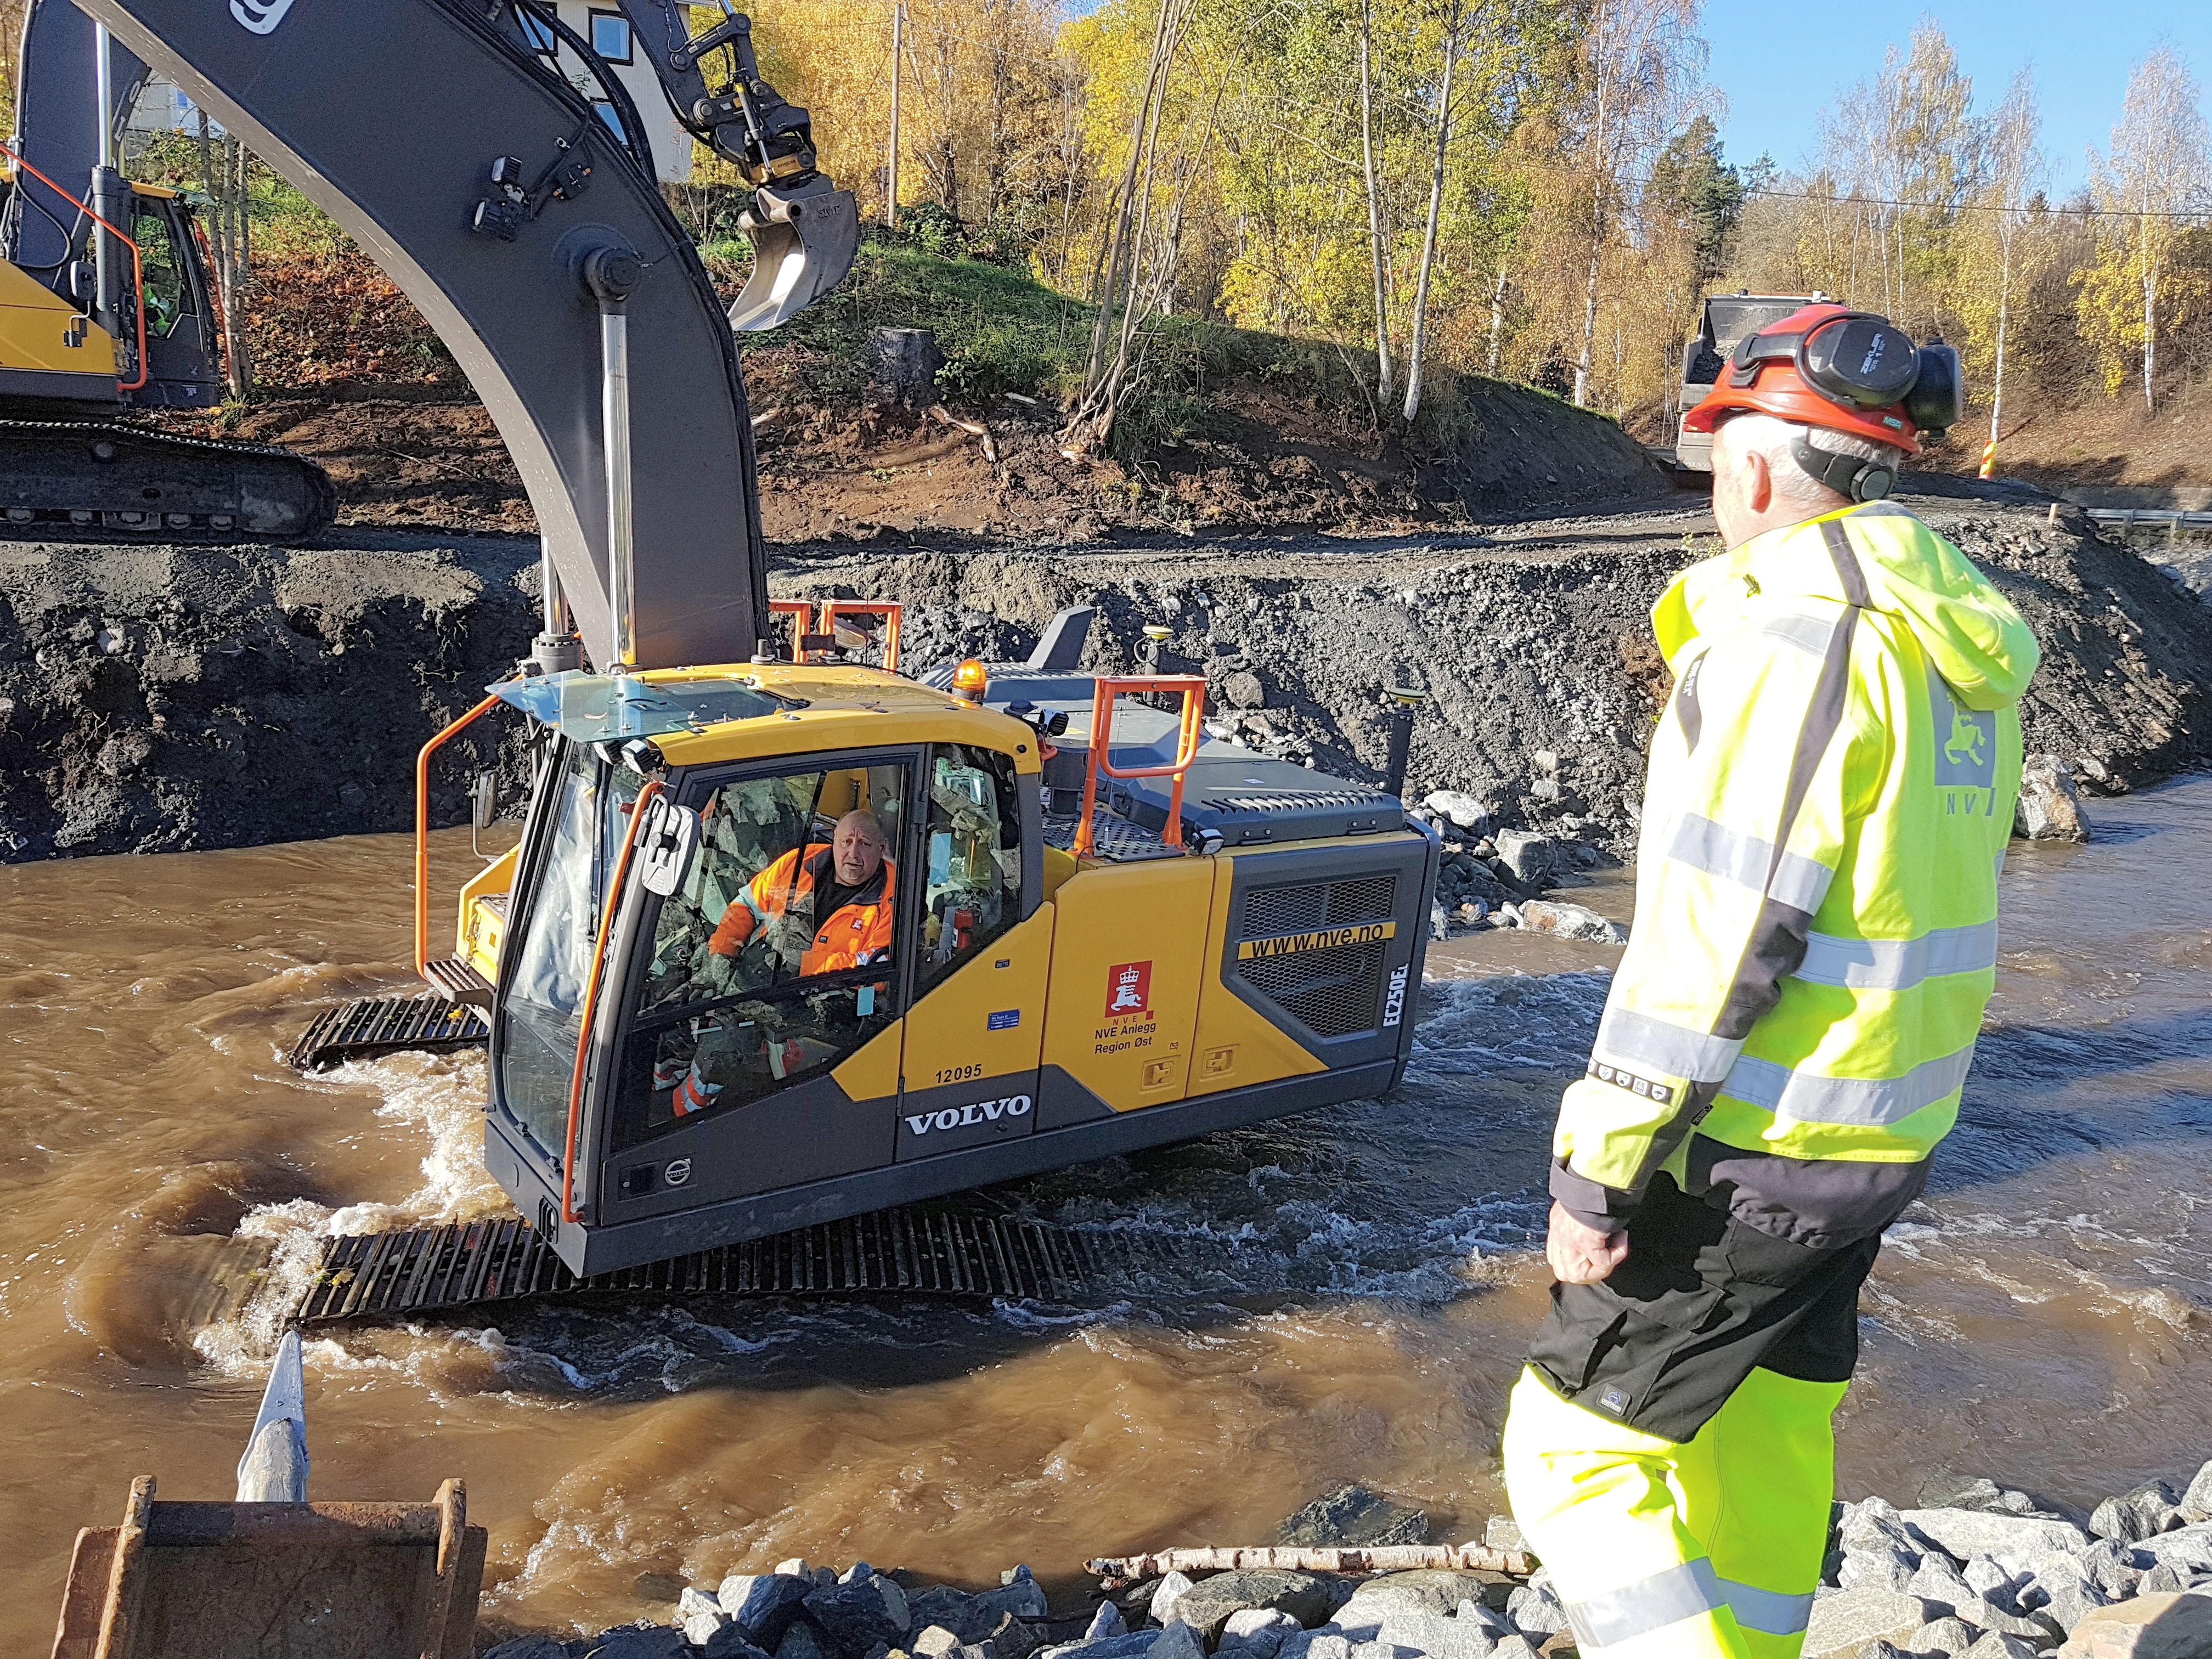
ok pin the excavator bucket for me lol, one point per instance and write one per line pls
(803, 242)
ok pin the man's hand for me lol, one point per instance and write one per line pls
(1580, 1255)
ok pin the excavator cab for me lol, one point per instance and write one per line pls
(987, 1002)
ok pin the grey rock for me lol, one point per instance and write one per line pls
(1987, 1616)
(1491, 1618)
(1178, 1641)
(2011, 1539)
(1537, 1613)
(1301, 1644)
(2169, 1627)
(1107, 1621)
(1993, 1581)
(763, 1605)
(1381, 1650)
(1569, 921)
(1849, 1619)
(1502, 1532)
(1937, 1580)
(2164, 1579)
(1255, 1632)
(729, 1643)
(1013, 1639)
(2062, 1600)
(2196, 1501)
(940, 1604)
(1997, 1645)
(1441, 1638)
(1170, 1590)
(1206, 1606)
(934, 1641)
(530, 1647)
(1438, 1590)
(1353, 1515)
(1956, 1492)
(2115, 1568)
(1017, 1575)
(796, 1567)
(699, 1626)
(1533, 858)
(856, 1616)
(1514, 1647)
(1024, 1598)
(642, 1642)
(802, 1641)
(1874, 1525)
(1950, 1636)
(2149, 1511)
(1887, 1568)
(1463, 810)
(694, 1600)
(857, 1571)
(1132, 1645)
(2050, 807)
(2189, 1546)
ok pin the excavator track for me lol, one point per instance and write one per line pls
(384, 1026)
(911, 1251)
(77, 477)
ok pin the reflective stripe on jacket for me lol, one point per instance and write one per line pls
(1829, 797)
(858, 934)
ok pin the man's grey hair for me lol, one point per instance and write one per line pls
(1754, 433)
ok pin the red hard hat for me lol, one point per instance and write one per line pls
(1823, 365)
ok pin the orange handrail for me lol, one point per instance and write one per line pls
(592, 999)
(1110, 687)
(889, 610)
(138, 266)
(801, 611)
(423, 832)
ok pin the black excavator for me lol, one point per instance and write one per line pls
(1061, 923)
(107, 309)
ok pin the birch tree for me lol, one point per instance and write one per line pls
(1419, 337)
(2002, 246)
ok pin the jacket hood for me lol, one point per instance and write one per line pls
(1972, 634)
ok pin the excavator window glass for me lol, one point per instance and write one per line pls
(542, 1008)
(777, 959)
(974, 851)
(169, 297)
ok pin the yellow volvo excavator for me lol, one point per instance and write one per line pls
(1056, 922)
(107, 309)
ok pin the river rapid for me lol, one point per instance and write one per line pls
(2044, 1318)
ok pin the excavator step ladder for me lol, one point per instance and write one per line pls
(912, 1251)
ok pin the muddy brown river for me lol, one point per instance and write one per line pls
(2043, 1317)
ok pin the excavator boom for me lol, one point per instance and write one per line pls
(493, 192)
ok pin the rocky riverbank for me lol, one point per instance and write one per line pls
(1974, 1572)
(163, 698)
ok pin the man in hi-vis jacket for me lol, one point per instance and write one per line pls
(1830, 793)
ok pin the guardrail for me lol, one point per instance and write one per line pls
(1108, 688)
(2175, 519)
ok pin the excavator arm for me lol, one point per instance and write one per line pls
(536, 243)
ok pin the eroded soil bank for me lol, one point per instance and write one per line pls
(164, 698)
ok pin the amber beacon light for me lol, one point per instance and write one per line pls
(968, 680)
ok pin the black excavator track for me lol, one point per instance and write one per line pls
(384, 1026)
(912, 1251)
(74, 478)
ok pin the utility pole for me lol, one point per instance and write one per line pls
(890, 206)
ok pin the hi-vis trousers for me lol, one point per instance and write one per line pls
(1669, 1451)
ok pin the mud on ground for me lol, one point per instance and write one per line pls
(154, 699)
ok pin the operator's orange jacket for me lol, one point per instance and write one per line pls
(858, 934)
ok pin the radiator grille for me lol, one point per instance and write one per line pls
(1309, 905)
(1336, 991)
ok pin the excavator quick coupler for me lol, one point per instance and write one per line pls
(804, 240)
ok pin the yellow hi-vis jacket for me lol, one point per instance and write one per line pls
(1829, 796)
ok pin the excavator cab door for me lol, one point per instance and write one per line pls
(804, 240)
(185, 361)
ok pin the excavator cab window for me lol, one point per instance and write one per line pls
(162, 265)
(542, 1007)
(974, 850)
(777, 959)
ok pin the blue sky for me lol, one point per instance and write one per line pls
(1781, 63)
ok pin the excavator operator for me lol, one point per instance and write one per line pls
(1829, 795)
(829, 903)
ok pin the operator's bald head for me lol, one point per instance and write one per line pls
(858, 847)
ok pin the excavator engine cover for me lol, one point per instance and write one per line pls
(805, 241)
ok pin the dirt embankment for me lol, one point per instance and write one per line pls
(157, 699)
(160, 698)
(873, 473)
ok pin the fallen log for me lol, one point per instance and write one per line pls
(1390, 1558)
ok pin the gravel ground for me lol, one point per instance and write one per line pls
(160, 698)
